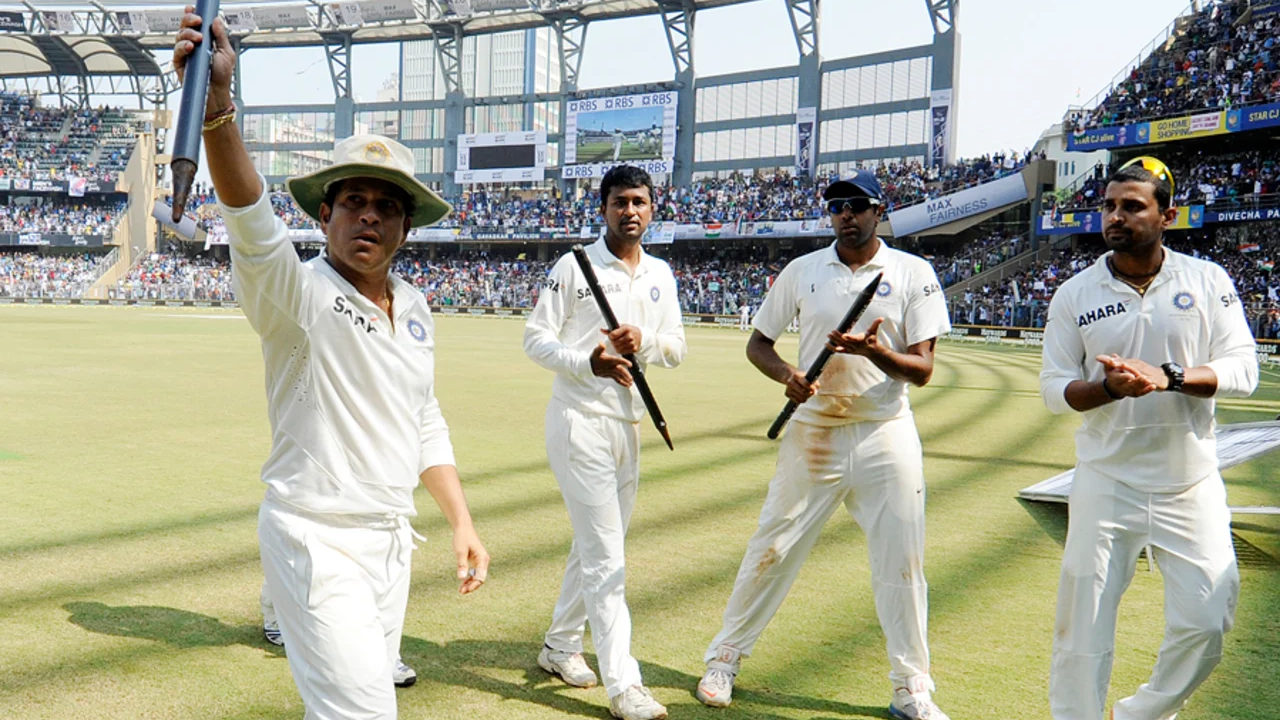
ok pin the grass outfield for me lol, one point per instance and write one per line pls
(593, 152)
(130, 442)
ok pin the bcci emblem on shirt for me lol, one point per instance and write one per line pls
(417, 331)
(1184, 301)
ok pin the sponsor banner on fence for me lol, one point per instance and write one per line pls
(660, 233)
(1255, 215)
(51, 239)
(78, 187)
(1190, 217)
(1188, 128)
(957, 206)
(132, 22)
(1101, 138)
(12, 22)
(268, 17)
(1253, 118)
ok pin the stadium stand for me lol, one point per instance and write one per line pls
(58, 214)
(1204, 177)
(1222, 56)
(57, 143)
(170, 276)
(777, 196)
(720, 281)
(32, 275)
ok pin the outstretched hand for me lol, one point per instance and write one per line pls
(863, 343)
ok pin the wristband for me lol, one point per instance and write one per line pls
(1107, 389)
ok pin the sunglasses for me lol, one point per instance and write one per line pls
(857, 205)
(1155, 167)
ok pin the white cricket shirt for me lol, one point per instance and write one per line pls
(820, 289)
(354, 419)
(1191, 315)
(565, 327)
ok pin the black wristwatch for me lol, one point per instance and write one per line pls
(1175, 374)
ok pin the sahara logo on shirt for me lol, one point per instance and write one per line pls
(1184, 301)
(341, 307)
(607, 289)
(416, 329)
(1103, 312)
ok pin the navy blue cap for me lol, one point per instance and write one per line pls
(853, 184)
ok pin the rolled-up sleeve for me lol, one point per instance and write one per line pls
(1233, 353)
(1062, 361)
(437, 449)
(268, 277)
(542, 331)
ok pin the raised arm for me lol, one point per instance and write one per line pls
(269, 282)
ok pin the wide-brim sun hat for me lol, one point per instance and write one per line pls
(370, 156)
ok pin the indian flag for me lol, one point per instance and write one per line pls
(1249, 247)
(711, 229)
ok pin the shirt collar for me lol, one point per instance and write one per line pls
(1173, 265)
(879, 260)
(601, 250)
(403, 294)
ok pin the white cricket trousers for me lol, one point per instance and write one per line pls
(596, 461)
(339, 586)
(876, 470)
(1190, 536)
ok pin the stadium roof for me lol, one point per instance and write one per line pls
(77, 56)
(152, 23)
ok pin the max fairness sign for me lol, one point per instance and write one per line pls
(957, 206)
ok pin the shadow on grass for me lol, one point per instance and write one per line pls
(178, 628)
(463, 663)
(1052, 517)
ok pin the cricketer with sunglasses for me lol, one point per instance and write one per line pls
(852, 441)
(1140, 344)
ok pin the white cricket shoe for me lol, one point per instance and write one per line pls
(271, 631)
(570, 667)
(914, 706)
(403, 675)
(636, 703)
(716, 687)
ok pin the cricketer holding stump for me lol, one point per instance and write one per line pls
(1140, 344)
(852, 441)
(593, 429)
(349, 353)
